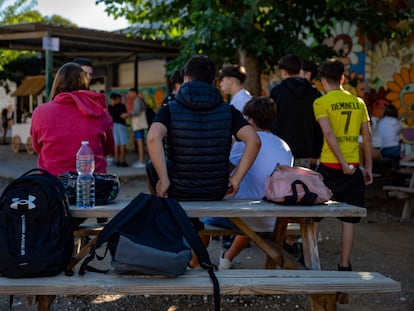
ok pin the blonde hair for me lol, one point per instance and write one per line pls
(70, 77)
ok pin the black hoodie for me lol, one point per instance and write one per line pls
(295, 121)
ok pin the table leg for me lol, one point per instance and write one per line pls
(408, 208)
(270, 251)
(44, 302)
(309, 244)
(82, 253)
(275, 252)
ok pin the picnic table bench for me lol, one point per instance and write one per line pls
(404, 192)
(321, 286)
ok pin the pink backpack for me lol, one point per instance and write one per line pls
(296, 185)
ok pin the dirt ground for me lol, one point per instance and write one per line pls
(382, 244)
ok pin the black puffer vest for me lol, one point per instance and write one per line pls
(199, 143)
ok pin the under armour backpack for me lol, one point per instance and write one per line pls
(36, 228)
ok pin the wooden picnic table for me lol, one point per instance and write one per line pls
(407, 193)
(235, 210)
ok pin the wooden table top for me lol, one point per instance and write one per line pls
(235, 208)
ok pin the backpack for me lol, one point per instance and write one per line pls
(296, 185)
(152, 236)
(36, 228)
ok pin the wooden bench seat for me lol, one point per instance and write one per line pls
(292, 229)
(405, 193)
(322, 286)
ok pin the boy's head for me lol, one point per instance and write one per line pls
(233, 71)
(332, 71)
(309, 70)
(261, 110)
(200, 68)
(291, 64)
(115, 98)
(86, 66)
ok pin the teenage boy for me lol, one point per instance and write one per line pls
(343, 117)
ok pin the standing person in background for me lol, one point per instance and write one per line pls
(139, 124)
(343, 117)
(119, 115)
(295, 122)
(389, 129)
(72, 115)
(309, 70)
(176, 80)
(4, 124)
(87, 67)
(231, 83)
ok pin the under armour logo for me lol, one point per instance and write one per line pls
(20, 203)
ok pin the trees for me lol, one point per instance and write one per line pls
(15, 65)
(256, 32)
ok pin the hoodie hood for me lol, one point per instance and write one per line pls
(297, 86)
(91, 104)
(198, 95)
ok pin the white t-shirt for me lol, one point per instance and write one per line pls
(240, 99)
(389, 129)
(272, 152)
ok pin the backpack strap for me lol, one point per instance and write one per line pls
(308, 198)
(120, 219)
(192, 237)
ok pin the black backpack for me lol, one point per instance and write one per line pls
(152, 236)
(36, 228)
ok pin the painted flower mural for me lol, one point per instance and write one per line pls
(401, 93)
(345, 41)
(382, 62)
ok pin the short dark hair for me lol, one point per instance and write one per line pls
(310, 66)
(331, 70)
(115, 95)
(234, 71)
(291, 63)
(83, 62)
(262, 110)
(133, 89)
(176, 77)
(200, 68)
(391, 111)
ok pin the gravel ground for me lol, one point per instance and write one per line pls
(382, 244)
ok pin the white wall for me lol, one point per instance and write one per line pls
(150, 73)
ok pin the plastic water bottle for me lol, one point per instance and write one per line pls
(85, 183)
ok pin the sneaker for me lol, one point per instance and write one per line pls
(124, 164)
(349, 268)
(224, 263)
(138, 164)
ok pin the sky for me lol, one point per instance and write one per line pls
(83, 13)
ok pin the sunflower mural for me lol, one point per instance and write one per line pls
(401, 95)
(382, 62)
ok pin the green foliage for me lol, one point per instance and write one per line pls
(264, 29)
(14, 65)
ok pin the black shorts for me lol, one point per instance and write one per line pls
(349, 189)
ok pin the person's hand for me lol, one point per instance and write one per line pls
(348, 169)
(161, 189)
(368, 178)
(233, 187)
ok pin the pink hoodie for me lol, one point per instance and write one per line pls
(58, 127)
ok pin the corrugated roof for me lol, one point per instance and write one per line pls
(31, 85)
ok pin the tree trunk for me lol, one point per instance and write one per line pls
(251, 64)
